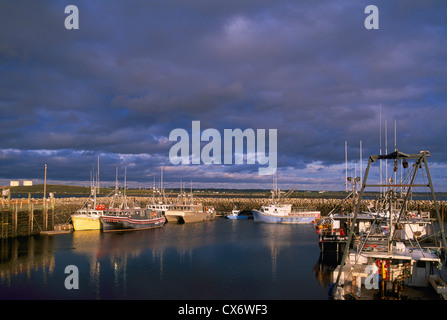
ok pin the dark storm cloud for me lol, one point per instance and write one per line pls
(135, 70)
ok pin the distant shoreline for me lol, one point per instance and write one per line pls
(64, 191)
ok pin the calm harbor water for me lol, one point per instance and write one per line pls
(216, 260)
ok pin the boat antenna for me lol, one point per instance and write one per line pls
(98, 175)
(161, 185)
(386, 152)
(346, 163)
(125, 186)
(395, 164)
(91, 181)
(361, 167)
(380, 143)
(116, 180)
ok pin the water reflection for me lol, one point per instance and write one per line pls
(325, 267)
(25, 255)
(222, 259)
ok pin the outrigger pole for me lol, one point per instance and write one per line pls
(353, 223)
(421, 157)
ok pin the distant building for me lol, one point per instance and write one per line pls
(27, 183)
(14, 183)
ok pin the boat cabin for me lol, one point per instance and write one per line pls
(277, 210)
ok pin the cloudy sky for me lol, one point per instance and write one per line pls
(135, 70)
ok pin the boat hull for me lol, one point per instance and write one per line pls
(293, 218)
(86, 222)
(332, 243)
(116, 223)
(237, 217)
(189, 217)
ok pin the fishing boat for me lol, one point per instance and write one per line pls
(279, 212)
(236, 215)
(159, 202)
(282, 213)
(87, 218)
(333, 229)
(407, 256)
(187, 210)
(123, 219)
(188, 213)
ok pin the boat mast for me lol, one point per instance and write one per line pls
(386, 160)
(190, 197)
(112, 203)
(161, 186)
(380, 151)
(98, 177)
(125, 186)
(361, 167)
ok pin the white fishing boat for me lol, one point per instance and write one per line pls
(333, 230)
(159, 202)
(279, 212)
(412, 253)
(282, 213)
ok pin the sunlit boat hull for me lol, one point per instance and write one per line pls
(291, 218)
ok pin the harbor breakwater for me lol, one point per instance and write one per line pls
(28, 216)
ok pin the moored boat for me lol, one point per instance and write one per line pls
(136, 218)
(186, 210)
(282, 213)
(87, 218)
(334, 229)
(188, 213)
(236, 215)
(279, 212)
(125, 217)
(411, 254)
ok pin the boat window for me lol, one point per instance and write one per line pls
(421, 264)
